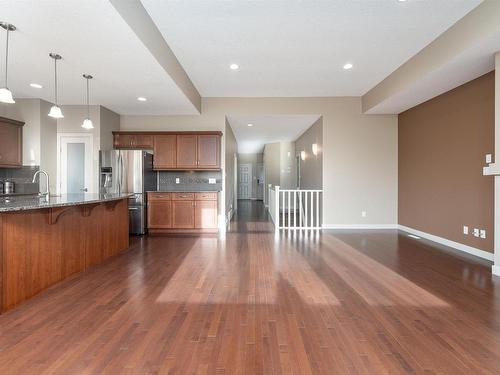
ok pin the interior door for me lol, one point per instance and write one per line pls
(245, 181)
(75, 166)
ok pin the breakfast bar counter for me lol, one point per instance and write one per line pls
(44, 240)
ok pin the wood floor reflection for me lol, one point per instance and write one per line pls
(343, 302)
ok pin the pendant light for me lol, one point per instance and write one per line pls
(55, 111)
(87, 123)
(5, 94)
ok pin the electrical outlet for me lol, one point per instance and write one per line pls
(466, 229)
(363, 213)
(177, 180)
(211, 180)
(475, 232)
(482, 233)
(488, 159)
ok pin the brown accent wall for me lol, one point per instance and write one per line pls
(442, 148)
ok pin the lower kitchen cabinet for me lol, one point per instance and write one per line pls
(182, 212)
(205, 214)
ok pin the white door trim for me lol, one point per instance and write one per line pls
(86, 138)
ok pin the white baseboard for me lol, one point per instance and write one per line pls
(495, 270)
(360, 226)
(443, 241)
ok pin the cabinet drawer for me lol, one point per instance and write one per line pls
(206, 196)
(183, 196)
(159, 196)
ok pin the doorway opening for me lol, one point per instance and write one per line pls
(74, 163)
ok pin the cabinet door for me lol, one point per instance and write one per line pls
(205, 214)
(165, 152)
(121, 140)
(208, 151)
(10, 145)
(142, 141)
(183, 214)
(159, 214)
(186, 151)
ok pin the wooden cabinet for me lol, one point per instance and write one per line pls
(208, 151)
(187, 156)
(182, 212)
(175, 150)
(205, 214)
(159, 211)
(165, 152)
(132, 140)
(11, 143)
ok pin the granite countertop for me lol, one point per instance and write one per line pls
(19, 203)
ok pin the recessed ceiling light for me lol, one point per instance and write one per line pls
(250, 125)
(348, 66)
(234, 66)
(401, 1)
(36, 85)
(141, 99)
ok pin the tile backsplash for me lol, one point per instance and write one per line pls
(189, 181)
(21, 177)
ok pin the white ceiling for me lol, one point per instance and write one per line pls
(267, 129)
(298, 48)
(92, 38)
(470, 64)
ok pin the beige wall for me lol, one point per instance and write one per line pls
(272, 163)
(288, 179)
(442, 148)
(359, 151)
(39, 134)
(254, 160)
(109, 122)
(231, 149)
(311, 169)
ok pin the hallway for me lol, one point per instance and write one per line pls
(250, 303)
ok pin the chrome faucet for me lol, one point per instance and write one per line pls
(47, 192)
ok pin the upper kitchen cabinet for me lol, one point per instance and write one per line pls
(11, 143)
(165, 151)
(208, 150)
(175, 150)
(132, 140)
(187, 156)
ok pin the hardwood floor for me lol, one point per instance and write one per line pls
(344, 302)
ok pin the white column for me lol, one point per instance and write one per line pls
(496, 265)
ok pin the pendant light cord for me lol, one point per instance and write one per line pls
(6, 57)
(55, 75)
(88, 100)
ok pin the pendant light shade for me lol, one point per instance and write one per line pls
(87, 123)
(5, 93)
(55, 110)
(6, 96)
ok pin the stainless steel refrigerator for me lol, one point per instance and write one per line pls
(129, 171)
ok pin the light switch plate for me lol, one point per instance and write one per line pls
(476, 232)
(212, 181)
(488, 158)
(482, 233)
(466, 229)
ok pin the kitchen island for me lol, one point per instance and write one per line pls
(44, 240)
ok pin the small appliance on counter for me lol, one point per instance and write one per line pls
(129, 171)
(8, 187)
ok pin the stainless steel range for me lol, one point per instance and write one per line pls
(129, 171)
